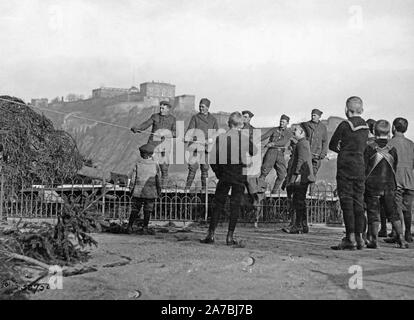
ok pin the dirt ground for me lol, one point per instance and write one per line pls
(272, 265)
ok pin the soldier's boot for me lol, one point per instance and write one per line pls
(204, 180)
(305, 227)
(359, 241)
(408, 237)
(229, 239)
(190, 179)
(398, 238)
(347, 243)
(392, 234)
(145, 228)
(407, 223)
(397, 225)
(373, 235)
(296, 230)
(134, 216)
(382, 233)
(209, 238)
(276, 188)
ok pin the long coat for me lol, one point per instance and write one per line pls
(145, 179)
(301, 162)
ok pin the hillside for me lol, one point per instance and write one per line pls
(115, 149)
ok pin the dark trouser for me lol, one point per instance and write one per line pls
(274, 158)
(222, 191)
(137, 203)
(351, 197)
(192, 170)
(316, 164)
(404, 201)
(383, 219)
(290, 208)
(385, 198)
(299, 204)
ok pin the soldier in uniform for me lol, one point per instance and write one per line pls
(202, 121)
(317, 134)
(164, 125)
(247, 117)
(274, 157)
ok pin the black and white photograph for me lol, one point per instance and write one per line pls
(207, 155)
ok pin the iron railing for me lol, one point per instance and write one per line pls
(46, 199)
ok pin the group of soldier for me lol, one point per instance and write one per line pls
(308, 143)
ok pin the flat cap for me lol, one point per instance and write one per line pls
(317, 111)
(205, 102)
(284, 117)
(165, 103)
(147, 148)
(251, 114)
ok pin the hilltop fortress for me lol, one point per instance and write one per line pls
(149, 94)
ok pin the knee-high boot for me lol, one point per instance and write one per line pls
(399, 239)
(209, 238)
(373, 235)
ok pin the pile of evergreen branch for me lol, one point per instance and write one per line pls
(61, 244)
(35, 150)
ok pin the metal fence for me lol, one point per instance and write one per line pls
(44, 200)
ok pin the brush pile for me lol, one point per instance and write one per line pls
(35, 151)
(63, 244)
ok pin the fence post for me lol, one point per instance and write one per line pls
(1, 194)
(103, 196)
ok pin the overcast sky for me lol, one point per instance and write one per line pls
(269, 56)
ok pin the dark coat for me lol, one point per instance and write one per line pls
(145, 179)
(405, 167)
(317, 134)
(301, 162)
(158, 122)
(350, 140)
(278, 137)
(380, 175)
(203, 123)
(228, 158)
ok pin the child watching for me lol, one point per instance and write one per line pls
(146, 187)
(299, 177)
(380, 166)
(349, 141)
(404, 194)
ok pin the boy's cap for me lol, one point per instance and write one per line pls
(165, 103)
(205, 102)
(284, 117)
(147, 148)
(317, 111)
(251, 114)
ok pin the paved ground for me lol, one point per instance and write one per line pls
(175, 265)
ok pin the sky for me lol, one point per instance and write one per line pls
(269, 56)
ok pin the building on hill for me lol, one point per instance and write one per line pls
(41, 103)
(158, 90)
(106, 92)
(184, 102)
(150, 93)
